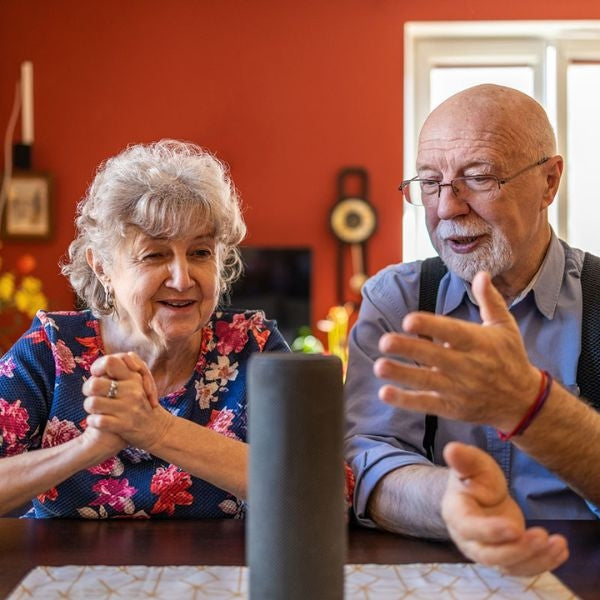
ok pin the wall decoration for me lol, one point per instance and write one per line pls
(27, 213)
(353, 221)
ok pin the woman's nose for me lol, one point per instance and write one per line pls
(180, 277)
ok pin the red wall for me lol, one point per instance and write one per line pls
(286, 92)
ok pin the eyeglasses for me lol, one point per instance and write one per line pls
(426, 192)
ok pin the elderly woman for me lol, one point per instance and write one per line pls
(135, 407)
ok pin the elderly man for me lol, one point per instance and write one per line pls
(509, 441)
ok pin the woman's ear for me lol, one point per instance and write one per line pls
(95, 264)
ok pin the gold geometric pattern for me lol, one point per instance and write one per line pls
(434, 581)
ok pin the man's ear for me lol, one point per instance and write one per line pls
(553, 171)
(95, 264)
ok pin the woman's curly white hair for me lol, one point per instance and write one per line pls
(163, 189)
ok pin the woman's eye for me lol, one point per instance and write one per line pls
(202, 253)
(151, 255)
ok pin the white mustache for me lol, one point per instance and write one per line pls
(453, 229)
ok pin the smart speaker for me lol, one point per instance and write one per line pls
(296, 527)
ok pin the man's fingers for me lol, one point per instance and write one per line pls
(410, 374)
(475, 476)
(488, 530)
(422, 402)
(534, 552)
(492, 306)
(420, 351)
(467, 461)
(551, 555)
(454, 333)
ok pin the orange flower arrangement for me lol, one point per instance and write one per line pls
(21, 296)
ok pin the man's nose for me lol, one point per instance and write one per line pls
(450, 204)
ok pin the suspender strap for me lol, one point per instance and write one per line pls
(588, 368)
(432, 271)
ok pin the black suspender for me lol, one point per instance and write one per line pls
(432, 271)
(588, 367)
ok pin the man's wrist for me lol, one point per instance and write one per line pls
(545, 385)
(519, 396)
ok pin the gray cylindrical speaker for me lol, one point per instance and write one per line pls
(296, 528)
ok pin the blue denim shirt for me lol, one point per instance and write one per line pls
(381, 438)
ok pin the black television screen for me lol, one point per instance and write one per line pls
(276, 280)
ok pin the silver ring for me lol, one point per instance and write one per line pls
(113, 389)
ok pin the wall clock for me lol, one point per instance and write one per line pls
(353, 220)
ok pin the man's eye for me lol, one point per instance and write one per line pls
(429, 186)
(480, 181)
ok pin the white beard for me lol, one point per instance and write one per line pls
(495, 255)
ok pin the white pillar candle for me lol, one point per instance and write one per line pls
(27, 102)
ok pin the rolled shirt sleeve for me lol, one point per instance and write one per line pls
(379, 437)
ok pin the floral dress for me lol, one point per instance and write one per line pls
(41, 405)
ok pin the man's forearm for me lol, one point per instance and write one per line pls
(565, 438)
(408, 501)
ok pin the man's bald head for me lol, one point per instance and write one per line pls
(510, 117)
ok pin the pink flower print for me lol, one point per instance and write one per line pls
(205, 393)
(58, 432)
(51, 494)
(170, 484)
(94, 326)
(13, 426)
(220, 421)
(116, 493)
(222, 371)
(7, 367)
(63, 358)
(111, 466)
(232, 336)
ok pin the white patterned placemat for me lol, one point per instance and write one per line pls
(362, 582)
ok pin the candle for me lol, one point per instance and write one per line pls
(27, 102)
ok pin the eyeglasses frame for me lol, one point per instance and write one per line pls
(451, 184)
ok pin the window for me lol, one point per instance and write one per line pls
(558, 63)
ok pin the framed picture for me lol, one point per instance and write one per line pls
(27, 213)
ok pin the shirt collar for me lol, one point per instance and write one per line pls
(546, 284)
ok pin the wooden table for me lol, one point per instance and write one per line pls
(27, 543)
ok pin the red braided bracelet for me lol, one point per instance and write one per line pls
(534, 409)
